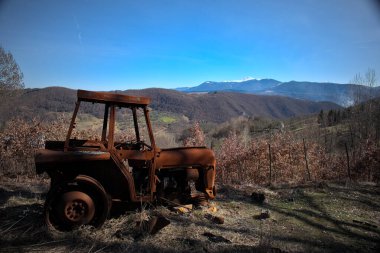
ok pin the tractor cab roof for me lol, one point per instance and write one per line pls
(112, 98)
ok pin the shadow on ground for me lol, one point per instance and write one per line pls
(309, 209)
(304, 222)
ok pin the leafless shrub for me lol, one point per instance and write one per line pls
(367, 165)
(165, 140)
(240, 158)
(120, 136)
(231, 159)
(196, 138)
(251, 163)
(20, 138)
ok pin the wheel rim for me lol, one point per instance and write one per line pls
(76, 207)
(70, 204)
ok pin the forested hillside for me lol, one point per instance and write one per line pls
(212, 107)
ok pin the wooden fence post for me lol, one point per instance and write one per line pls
(270, 165)
(348, 162)
(307, 163)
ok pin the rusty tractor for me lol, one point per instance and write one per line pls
(88, 176)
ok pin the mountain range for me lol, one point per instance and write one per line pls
(342, 94)
(213, 107)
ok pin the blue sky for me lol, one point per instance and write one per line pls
(107, 45)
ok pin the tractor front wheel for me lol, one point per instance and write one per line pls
(78, 202)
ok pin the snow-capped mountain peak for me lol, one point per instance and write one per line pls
(248, 78)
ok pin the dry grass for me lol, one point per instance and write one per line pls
(306, 218)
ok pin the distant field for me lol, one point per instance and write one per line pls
(167, 119)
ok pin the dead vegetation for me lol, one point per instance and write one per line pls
(285, 158)
(19, 139)
(326, 217)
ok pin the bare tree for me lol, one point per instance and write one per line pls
(11, 77)
(360, 91)
(11, 83)
(365, 122)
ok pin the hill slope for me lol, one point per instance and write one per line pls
(221, 106)
(213, 107)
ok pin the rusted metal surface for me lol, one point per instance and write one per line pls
(108, 97)
(72, 123)
(87, 176)
(44, 156)
(186, 156)
(76, 207)
(79, 201)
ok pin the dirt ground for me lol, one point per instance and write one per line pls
(318, 217)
